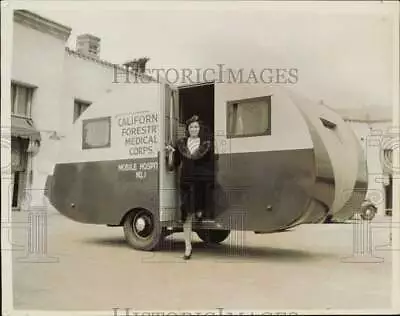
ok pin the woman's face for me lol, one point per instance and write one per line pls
(194, 129)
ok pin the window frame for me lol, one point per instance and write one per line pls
(14, 107)
(80, 102)
(85, 145)
(168, 114)
(232, 103)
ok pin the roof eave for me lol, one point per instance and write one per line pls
(42, 24)
(107, 64)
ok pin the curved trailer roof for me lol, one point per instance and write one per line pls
(339, 157)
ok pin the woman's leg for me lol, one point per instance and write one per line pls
(187, 191)
(200, 197)
(187, 234)
(185, 200)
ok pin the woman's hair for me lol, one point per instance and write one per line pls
(203, 133)
(194, 118)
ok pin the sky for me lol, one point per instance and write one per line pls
(343, 56)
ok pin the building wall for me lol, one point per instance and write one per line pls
(41, 60)
(38, 60)
(371, 137)
(83, 79)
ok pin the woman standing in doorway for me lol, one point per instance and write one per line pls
(194, 154)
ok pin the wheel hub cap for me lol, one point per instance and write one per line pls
(140, 224)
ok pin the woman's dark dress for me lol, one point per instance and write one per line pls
(196, 175)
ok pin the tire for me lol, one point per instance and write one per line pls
(142, 230)
(212, 236)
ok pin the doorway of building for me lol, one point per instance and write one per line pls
(19, 163)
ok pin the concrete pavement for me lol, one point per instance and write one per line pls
(301, 268)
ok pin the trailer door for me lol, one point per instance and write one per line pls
(169, 197)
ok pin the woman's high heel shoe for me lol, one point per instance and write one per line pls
(187, 256)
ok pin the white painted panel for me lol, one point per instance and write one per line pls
(168, 189)
(135, 124)
(341, 145)
(288, 128)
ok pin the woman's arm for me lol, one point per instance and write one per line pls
(169, 157)
(173, 157)
(177, 158)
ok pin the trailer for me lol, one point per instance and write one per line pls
(281, 160)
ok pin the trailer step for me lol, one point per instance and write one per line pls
(199, 223)
(207, 221)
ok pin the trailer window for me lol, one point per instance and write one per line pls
(96, 133)
(249, 117)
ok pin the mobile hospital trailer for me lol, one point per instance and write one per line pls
(280, 161)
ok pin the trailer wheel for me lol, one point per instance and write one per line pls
(142, 230)
(212, 236)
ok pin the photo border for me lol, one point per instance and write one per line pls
(6, 39)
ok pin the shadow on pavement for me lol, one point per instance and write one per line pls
(224, 250)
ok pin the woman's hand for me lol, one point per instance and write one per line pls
(169, 148)
(170, 158)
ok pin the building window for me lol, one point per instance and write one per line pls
(80, 107)
(96, 133)
(249, 117)
(21, 99)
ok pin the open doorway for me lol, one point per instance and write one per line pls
(19, 158)
(199, 100)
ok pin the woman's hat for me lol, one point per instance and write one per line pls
(194, 118)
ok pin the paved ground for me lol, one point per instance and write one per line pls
(299, 269)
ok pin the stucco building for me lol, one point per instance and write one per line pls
(51, 85)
